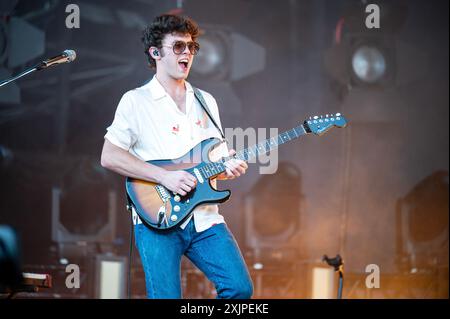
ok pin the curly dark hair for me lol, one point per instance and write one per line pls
(153, 35)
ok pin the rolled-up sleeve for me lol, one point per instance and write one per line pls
(123, 131)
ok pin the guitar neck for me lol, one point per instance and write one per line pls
(215, 168)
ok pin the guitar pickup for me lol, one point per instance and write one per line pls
(199, 175)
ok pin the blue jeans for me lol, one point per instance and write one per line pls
(214, 251)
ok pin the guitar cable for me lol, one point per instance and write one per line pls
(130, 259)
(130, 250)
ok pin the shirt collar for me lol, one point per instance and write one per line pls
(159, 92)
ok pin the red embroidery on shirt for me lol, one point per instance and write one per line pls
(176, 129)
(198, 122)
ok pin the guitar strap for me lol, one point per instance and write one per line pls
(202, 101)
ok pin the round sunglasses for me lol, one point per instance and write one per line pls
(178, 47)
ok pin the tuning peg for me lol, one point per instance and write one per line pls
(326, 115)
(310, 118)
(315, 117)
(338, 114)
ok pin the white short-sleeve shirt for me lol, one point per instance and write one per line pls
(150, 126)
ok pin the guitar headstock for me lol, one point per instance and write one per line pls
(321, 124)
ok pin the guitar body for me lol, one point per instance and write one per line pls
(160, 208)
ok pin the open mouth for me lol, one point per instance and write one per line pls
(183, 63)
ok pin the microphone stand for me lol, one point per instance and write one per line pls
(338, 265)
(37, 67)
(4, 82)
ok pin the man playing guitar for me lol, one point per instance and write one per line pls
(162, 120)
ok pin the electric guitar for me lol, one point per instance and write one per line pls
(162, 209)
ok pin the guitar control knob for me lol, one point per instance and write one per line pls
(177, 198)
(174, 218)
(176, 208)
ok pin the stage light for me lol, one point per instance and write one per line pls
(361, 57)
(220, 57)
(323, 283)
(221, 61)
(362, 61)
(211, 60)
(368, 64)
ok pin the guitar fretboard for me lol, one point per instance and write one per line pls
(215, 168)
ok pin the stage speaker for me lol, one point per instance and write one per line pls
(71, 230)
(83, 207)
(272, 219)
(422, 225)
(273, 208)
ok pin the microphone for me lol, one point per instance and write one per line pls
(65, 57)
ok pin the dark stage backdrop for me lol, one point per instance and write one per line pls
(278, 68)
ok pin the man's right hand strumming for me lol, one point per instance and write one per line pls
(180, 182)
(122, 162)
